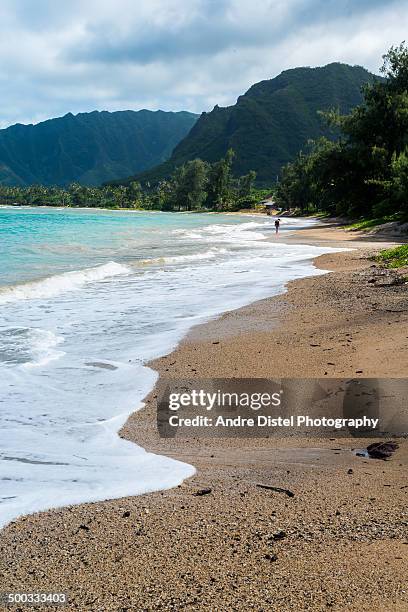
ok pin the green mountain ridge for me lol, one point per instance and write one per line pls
(270, 123)
(89, 148)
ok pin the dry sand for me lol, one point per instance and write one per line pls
(340, 543)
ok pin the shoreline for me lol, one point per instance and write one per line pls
(132, 540)
(200, 351)
(141, 210)
(254, 293)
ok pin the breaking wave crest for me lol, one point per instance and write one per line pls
(210, 254)
(54, 285)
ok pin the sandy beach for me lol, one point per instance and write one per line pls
(340, 542)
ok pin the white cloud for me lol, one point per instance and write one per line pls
(73, 55)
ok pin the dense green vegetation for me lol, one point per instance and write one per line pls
(196, 185)
(270, 123)
(364, 225)
(89, 148)
(200, 185)
(394, 258)
(365, 172)
(73, 196)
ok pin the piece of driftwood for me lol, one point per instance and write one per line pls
(276, 489)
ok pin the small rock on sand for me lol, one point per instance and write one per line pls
(202, 492)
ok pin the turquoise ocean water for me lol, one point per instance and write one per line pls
(86, 299)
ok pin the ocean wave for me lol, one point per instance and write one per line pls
(174, 259)
(244, 232)
(28, 346)
(195, 256)
(67, 281)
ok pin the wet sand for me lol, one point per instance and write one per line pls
(340, 542)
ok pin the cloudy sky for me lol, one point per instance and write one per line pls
(58, 56)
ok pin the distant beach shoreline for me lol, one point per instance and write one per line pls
(142, 210)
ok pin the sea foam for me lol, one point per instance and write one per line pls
(54, 285)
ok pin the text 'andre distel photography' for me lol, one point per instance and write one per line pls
(204, 306)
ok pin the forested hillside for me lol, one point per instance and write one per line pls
(365, 172)
(269, 124)
(89, 148)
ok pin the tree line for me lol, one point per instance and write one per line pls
(74, 195)
(364, 172)
(196, 185)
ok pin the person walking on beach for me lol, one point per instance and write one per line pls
(277, 222)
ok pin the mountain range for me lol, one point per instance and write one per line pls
(89, 148)
(266, 127)
(271, 122)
